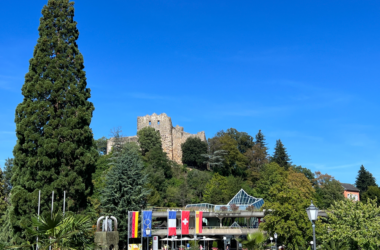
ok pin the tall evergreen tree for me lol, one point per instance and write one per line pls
(55, 149)
(260, 139)
(280, 155)
(125, 189)
(364, 180)
(7, 175)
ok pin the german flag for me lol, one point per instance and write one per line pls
(198, 222)
(133, 224)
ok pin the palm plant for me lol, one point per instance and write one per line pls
(59, 232)
(254, 241)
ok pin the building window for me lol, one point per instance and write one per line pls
(158, 122)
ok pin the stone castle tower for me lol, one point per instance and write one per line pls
(171, 137)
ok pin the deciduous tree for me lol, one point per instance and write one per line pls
(354, 223)
(101, 145)
(328, 190)
(235, 162)
(285, 214)
(55, 149)
(192, 150)
(216, 191)
(372, 193)
(149, 138)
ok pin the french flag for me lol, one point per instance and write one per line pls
(172, 223)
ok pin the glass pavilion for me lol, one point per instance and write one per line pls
(241, 199)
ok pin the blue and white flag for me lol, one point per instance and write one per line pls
(147, 223)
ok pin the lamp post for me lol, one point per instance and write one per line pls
(224, 239)
(312, 213)
(275, 238)
(204, 242)
(147, 232)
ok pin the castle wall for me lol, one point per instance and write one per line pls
(171, 137)
(124, 139)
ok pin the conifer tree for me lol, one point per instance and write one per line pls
(55, 149)
(280, 155)
(125, 189)
(364, 180)
(7, 175)
(260, 139)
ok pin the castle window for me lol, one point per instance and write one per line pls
(150, 123)
(158, 122)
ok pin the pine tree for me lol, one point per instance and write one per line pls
(364, 180)
(260, 139)
(280, 155)
(125, 189)
(55, 149)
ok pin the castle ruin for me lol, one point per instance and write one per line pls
(171, 137)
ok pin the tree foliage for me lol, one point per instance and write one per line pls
(328, 190)
(290, 195)
(215, 160)
(355, 223)
(244, 140)
(254, 241)
(101, 145)
(149, 138)
(192, 150)
(280, 155)
(364, 179)
(55, 149)
(235, 163)
(7, 176)
(197, 181)
(62, 232)
(216, 191)
(3, 203)
(372, 193)
(125, 189)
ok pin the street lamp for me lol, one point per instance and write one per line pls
(224, 239)
(204, 242)
(147, 232)
(271, 241)
(312, 213)
(275, 238)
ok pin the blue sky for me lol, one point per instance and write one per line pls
(305, 72)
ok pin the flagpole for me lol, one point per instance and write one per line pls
(181, 229)
(52, 205)
(39, 202)
(128, 231)
(167, 239)
(64, 202)
(141, 231)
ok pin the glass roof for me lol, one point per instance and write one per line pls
(242, 198)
